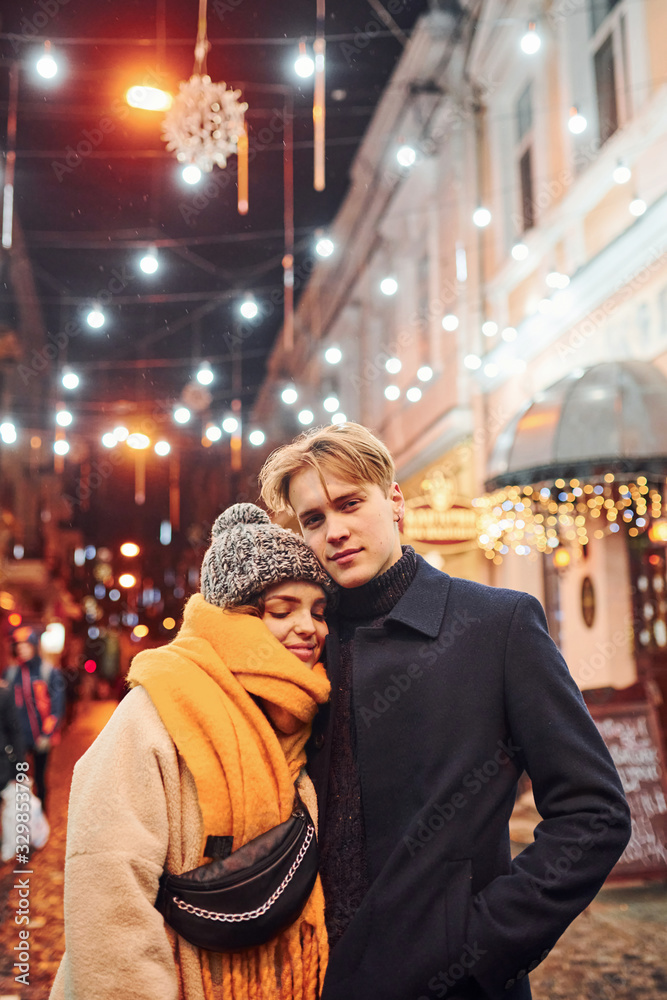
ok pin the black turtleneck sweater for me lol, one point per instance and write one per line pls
(343, 864)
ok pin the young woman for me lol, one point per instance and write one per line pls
(208, 742)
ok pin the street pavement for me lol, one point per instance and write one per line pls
(615, 950)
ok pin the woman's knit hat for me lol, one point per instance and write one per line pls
(248, 554)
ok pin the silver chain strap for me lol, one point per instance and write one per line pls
(252, 914)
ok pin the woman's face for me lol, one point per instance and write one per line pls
(294, 614)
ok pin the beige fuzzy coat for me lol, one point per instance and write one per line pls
(133, 810)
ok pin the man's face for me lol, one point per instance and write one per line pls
(353, 532)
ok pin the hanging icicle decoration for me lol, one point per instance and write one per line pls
(242, 176)
(319, 100)
(206, 119)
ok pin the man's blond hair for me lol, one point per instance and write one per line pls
(348, 450)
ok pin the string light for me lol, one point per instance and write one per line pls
(406, 156)
(230, 424)
(489, 329)
(95, 318)
(576, 122)
(564, 516)
(637, 207)
(331, 404)
(306, 417)
(70, 379)
(249, 308)
(520, 251)
(324, 247)
(389, 286)
(149, 98)
(472, 361)
(450, 322)
(8, 432)
(392, 392)
(46, 65)
(393, 365)
(182, 415)
(621, 173)
(304, 66)
(191, 174)
(289, 395)
(162, 448)
(257, 438)
(204, 374)
(531, 41)
(481, 217)
(425, 373)
(149, 262)
(333, 355)
(64, 418)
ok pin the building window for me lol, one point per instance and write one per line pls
(599, 10)
(423, 269)
(605, 85)
(608, 48)
(524, 157)
(526, 176)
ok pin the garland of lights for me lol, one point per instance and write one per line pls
(531, 519)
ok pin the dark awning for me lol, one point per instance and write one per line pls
(608, 418)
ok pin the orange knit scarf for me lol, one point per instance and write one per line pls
(201, 685)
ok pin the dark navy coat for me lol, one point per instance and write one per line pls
(459, 692)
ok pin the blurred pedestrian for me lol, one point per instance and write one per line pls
(11, 741)
(39, 696)
(206, 748)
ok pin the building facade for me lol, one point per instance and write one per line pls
(505, 234)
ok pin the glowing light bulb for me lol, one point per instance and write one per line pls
(406, 156)
(576, 123)
(481, 217)
(531, 41)
(191, 174)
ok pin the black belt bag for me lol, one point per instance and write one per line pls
(251, 895)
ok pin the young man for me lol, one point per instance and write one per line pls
(443, 692)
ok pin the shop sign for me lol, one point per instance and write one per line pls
(439, 516)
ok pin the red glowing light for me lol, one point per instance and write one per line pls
(15, 619)
(90, 666)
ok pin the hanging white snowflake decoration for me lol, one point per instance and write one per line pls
(204, 123)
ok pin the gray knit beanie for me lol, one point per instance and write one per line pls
(248, 554)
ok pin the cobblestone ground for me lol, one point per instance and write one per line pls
(616, 949)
